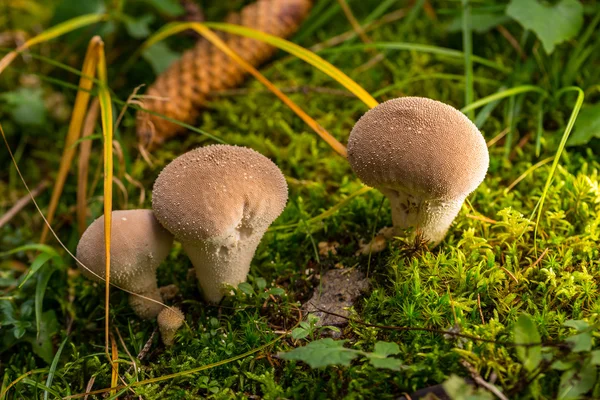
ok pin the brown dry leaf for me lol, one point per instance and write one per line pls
(326, 248)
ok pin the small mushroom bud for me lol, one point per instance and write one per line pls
(424, 155)
(169, 321)
(138, 245)
(218, 201)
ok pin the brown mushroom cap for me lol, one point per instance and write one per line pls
(210, 191)
(418, 145)
(138, 245)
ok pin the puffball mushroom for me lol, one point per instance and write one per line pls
(138, 245)
(424, 155)
(218, 201)
(169, 321)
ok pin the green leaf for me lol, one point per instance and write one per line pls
(578, 324)
(322, 353)
(587, 126)
(595, 357)
(480, 22)
(526, 332)
(170, 7)
(40, 291)
(26, 106)
(386, 349)
(38, 263)
(562, 365)
(138, 28)
(276, 291)
(42, 345)
(379, 358)
(246, 288)
(38, 247)
(581, 342)
(387, 363)
(300, 333)
(458, 389)
(575, 383)
(552, 23)
(261, 283)
(160, 56)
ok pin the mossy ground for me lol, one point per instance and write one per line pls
(486, 272)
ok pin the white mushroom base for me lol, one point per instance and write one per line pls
(220, 262)
(432, 218)
(145, 308)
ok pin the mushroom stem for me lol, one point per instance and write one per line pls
(218, 262)
(430, 217)
(145, 308)
(169, 321)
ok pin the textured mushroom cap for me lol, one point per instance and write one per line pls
(419, 145)
(212, 191)
(138, 245)
(169, 321)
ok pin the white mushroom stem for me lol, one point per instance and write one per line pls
(146, 308)
(431, 217)
(219, 261)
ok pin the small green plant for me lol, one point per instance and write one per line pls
(311, 328)
(325, 352)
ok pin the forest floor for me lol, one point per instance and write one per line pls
(495, 264)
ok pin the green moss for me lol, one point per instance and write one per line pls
(486, 273)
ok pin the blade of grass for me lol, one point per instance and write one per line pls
(40, 291)
(559, 151)
(328, 213)
(115, 366)
(526, 173)
(20, 378)
(215, 40)
(60, 242)
(188, 372)
(467, 38)
(301, 53)
(107, 132)
(79, 110)
(504, 94)
(425, 77)
(83, 165)
(52, 33)
(53, 366)
(423, 48)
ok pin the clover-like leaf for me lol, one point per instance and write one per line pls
(322, 353)
(574, 383)
(552, 23)
(587, 126)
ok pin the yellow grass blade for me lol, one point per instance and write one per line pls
(79, 110)
(215, 40)
(52, 33)
(302, 54)
(65, 248)
(115, 366)
(107, 133)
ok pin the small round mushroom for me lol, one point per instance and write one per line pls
(138, 245)
(169, 321)
(424, 155)
(218, 201)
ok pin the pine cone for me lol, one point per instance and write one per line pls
(182, 89)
